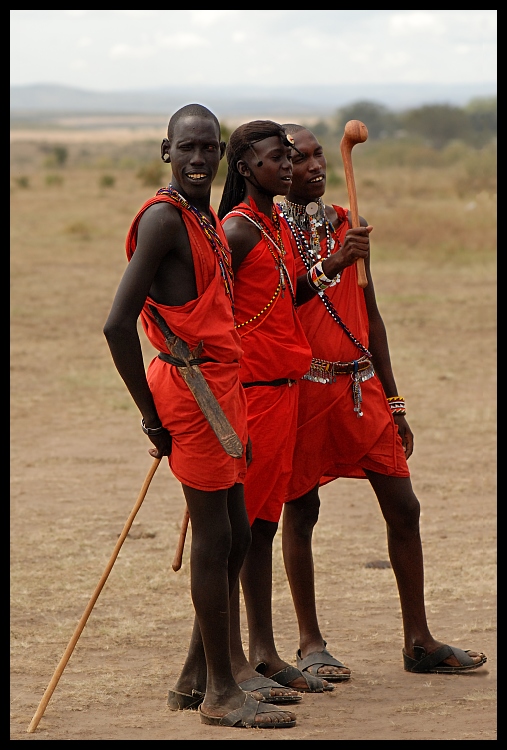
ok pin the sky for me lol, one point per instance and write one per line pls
(116, 50)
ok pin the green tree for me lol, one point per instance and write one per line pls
(380, 121)
(437, 124)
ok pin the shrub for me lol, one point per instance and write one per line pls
(107, 180)
(152, 173)
(54, 179)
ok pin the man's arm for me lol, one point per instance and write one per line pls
(355, 245)
(379, 347)
(159, 230)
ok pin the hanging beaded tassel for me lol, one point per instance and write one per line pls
(356, 390)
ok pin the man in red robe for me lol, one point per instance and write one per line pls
(276, 354)
(179, 263)
(351, 422)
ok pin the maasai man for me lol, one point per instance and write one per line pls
(341, 436)
(179, 264)
(275, 356)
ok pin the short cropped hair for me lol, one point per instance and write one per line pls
(191, 110)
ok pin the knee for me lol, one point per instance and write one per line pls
(406, 520)
(301, 515)
(212, 549)
(263, 532)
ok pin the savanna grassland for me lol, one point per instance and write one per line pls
(79, 458)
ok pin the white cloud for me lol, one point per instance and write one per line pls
(211, 17)
(85, 41)
(185, 40)
(260, 47)
(416, 21)
(78, 65)
(127, 52)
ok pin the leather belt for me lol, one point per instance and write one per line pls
(180, 363)
(279, 381)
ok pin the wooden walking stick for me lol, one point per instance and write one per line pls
(82, 622)
(355, 132)
(178, 555)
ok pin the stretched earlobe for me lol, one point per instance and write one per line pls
(164, 150)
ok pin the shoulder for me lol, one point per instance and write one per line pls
(337, 215)
(239, 229)
(162, 212)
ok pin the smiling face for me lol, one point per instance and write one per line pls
(275, 173)
(309, 170)
(195, 152)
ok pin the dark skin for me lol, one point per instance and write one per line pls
(162, 268)
(262, 183)
(398, 503)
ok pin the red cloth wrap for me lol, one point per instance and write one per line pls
(331, 440)
(274, 346)
(197, 458)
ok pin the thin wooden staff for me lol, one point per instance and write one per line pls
(355, 132)
(178, 555)
(82, 622)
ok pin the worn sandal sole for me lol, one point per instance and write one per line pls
(183, 702)
(244, 717)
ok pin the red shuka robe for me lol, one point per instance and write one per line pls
(274, 346)
(331, 440)
(197, 459)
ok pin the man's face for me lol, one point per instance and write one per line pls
(195, 153)
(309, 170)
(275, 173)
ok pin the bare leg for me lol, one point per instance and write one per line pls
(401, 510)
(220, 538)
(256, 580)
(194, 672)
(299, 519)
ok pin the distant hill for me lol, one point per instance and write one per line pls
(235, 101)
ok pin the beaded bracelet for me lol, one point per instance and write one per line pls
(151, 430)
(318, 279)
(397, 404)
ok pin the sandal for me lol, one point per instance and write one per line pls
(317, 659)
(245, 716)
(289, 674)
(432, 663)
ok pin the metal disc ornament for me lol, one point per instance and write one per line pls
(312, 208)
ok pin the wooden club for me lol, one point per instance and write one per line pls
(355, 132)
(82, 622)
(178, 555)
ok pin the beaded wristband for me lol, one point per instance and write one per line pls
(397, 404)
(318, 279)
(151, 430)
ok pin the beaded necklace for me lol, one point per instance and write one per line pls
(222, 254)
(267, 233)
(309, 218)
(308, 258)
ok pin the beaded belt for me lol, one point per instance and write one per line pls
(322, 371)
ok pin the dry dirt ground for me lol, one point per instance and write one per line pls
(79, 459)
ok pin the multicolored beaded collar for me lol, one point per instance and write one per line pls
(308, 258)
(222, 253)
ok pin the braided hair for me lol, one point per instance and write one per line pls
(240, 141)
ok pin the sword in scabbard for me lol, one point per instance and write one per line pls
(199, 387)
